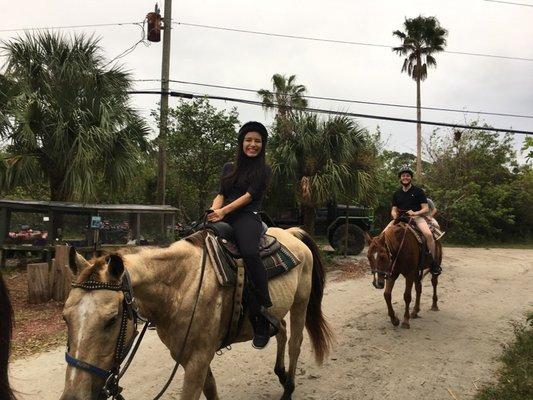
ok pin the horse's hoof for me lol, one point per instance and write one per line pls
(435, 308)
(415, 315)
(395, 321)
(405, 325)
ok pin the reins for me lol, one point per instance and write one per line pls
(111, 387)
(392, 264)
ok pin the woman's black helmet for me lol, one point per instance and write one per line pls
(405, 168)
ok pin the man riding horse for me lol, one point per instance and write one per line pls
(411, 201)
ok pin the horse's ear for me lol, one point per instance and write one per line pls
(368, 238)
(76, 261)
(115, 265)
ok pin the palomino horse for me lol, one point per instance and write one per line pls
(393, 253)
(168, 287)
(6, 327)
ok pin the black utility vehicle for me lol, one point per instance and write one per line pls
(334, 222)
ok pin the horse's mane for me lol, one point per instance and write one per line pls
(393, 236)
(6, 329)
(90, 273)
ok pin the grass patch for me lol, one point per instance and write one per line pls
(515, 377)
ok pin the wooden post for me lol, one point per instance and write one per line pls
(62, 273)
(38, 283)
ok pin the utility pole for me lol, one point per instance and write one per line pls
(163, 117)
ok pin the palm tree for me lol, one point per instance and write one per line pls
(321, 162)
(66, 117)
(422, 37)
(285, 96)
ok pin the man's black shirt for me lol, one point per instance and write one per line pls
(410, 200)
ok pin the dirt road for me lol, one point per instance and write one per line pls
(444, 353)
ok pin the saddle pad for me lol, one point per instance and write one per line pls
(225, 268)
(419, 237)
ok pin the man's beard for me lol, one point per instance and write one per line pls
(406, 184)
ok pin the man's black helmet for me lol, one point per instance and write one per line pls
(405, 168)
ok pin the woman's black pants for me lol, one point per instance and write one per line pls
(247, 228)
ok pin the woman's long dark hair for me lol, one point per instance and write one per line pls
(248, 169)
(6, 328)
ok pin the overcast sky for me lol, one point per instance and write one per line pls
(326, 69)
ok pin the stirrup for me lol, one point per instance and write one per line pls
(273, 321)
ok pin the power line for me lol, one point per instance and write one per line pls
(348, 42)
(68, 27)
(346, 100)
(331, 112)
(510, 2)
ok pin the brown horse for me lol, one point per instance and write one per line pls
(6, 328)
(176, 288)
(396, 252)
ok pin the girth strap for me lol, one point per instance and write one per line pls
(237, 307)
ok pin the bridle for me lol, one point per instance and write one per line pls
(392, 264)
(130, 311)
(123, 346)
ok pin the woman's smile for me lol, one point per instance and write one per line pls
(252, 144)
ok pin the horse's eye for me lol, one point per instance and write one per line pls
(111, 321)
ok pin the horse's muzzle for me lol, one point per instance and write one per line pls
(378, 282)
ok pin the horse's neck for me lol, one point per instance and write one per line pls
(159, 277)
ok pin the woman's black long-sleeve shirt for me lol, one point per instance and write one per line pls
(257, 189)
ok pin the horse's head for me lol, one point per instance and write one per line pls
(378, 258)
(101, 326)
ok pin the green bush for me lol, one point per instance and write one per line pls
(516, 375)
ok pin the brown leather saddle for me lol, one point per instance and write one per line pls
(224, 232)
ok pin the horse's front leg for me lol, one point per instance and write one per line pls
(407, 298)
(435, 282)
(196, 376)
(389, 285)
(418, 288)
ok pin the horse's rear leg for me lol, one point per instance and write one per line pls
(298, 313)
(435, 282)
(416, 309)
(407, 299)
(389, 285)
(281, 339)
(210, 386)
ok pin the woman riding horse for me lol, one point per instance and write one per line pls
(238, 203)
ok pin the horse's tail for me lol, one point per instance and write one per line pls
(317, 326)
(6, 327)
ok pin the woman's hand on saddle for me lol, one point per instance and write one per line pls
(216, 215)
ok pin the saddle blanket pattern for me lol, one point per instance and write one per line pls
(225, 268)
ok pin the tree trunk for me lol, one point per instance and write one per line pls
(62, 273)
(418, 128)
(202, 196)
(38, 283)
(309, 219)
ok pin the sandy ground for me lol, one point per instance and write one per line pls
(444, 354)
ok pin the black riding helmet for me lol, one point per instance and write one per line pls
(405, 168)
